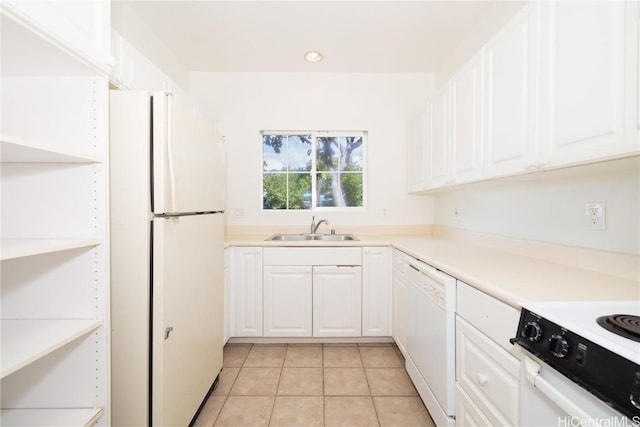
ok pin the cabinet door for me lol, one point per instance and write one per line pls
(228, 297)
(437, 140)
(337, 301)
(510, 96)
(287, 301)
(247, 280)
(376, 292)
(466, 122)
(589, 51)
(416, 155)
(400, 312)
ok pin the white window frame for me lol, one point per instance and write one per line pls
(314, 135)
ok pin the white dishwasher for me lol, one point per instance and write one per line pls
(431, 339)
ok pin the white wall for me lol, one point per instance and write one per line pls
(553, 208)
(243, 104)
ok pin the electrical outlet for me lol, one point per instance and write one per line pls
(238, 213)
(594, 216)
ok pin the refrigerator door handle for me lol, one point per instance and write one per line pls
(167, 331)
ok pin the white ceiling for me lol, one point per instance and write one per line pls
(353, 36)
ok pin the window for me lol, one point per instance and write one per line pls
(309, 170)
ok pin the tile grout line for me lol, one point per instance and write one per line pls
(366, 377)
(324, 400)
(226, 397)
(275, 394)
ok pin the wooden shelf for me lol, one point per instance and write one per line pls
(16, 150)
(50, 417)
(18, 248)
(25, 341)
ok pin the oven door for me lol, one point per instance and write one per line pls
(548, 398)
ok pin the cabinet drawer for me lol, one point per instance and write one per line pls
(488, 374)
(467, 413)
(313, 256)
(493, 318)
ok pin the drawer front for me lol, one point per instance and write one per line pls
(467, 413)
(488, 374)
(493, 318)
(312, 256)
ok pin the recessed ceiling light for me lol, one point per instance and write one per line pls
(313, 56)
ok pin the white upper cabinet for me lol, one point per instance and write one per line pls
(416, 156)
(557, 86)
(510, 102)
(589, 81)
(132, 70)
(465, 94)
(82, 27)
(437, 139)
(453, 129)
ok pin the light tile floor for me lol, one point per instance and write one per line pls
(300, 385)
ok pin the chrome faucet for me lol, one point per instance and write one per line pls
(314, 226)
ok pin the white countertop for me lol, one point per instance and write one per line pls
(509, 276)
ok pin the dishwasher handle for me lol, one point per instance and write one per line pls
(532, 373)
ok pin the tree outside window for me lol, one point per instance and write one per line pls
(308, 170)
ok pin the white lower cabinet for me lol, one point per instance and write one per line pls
(228, 297)
(488, 374)
(309, 292)
(337, 301)
(376, 291)
(287, 301)
(487, 369)
(246, 278)
(400, 311)
(467, 413)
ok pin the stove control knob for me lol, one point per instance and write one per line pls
(533, 331)
(634, 397)
(558, 346)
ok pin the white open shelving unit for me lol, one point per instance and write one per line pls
(54, 347)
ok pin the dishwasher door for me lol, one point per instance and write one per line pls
(431, 336)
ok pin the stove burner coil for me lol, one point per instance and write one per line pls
(625, 325)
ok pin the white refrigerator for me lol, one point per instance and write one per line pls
(167, 259)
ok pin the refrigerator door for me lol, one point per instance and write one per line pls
(188, 287)
(188, 160)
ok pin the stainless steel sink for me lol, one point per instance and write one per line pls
(303, 237)
(335, 237)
